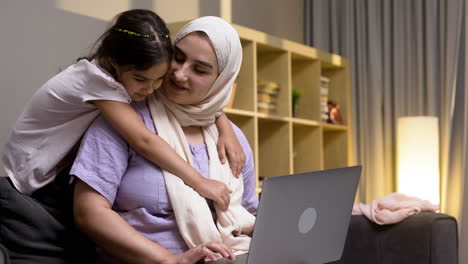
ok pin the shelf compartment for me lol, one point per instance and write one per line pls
(335, 149)
(339, 89)
(307, 154)
(274, 147)
(244, 97)
(273, 65)
(247, 125)
(306, 80)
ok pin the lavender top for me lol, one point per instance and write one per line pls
(135, 187)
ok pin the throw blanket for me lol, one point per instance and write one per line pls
(393, 208)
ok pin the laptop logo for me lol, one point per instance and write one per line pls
(307, 220)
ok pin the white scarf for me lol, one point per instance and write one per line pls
(192, 213)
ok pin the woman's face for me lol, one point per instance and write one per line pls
(193, 70)
(140, 84)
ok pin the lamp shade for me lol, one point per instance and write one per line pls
(418, 157)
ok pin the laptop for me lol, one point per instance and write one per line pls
(302, 218)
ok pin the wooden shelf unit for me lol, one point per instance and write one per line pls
(283, 144)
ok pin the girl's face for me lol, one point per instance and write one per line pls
(140, 84)
(193, 70)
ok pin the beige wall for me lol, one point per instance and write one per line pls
(281, 18)
(170, 10)
(277, 17)
(41, 37)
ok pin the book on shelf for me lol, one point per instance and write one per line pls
(266, 108)
(324, 110)
(267, 96)
(324, 79)
(267, 87)
(323, 91)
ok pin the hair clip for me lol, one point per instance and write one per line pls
(132, 33)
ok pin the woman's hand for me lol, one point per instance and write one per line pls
(230, 147)
(216, 191)
(207, 252)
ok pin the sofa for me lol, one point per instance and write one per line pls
(430, 238)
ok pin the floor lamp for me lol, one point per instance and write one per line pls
(418, 157)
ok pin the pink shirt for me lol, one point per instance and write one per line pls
(54, 121)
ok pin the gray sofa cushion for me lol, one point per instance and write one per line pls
(423, 238)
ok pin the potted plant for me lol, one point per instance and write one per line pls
(295, 96)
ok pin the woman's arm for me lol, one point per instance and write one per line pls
(95, 217)
(228, 145)
(130, 126)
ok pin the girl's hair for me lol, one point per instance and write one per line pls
(139, 38)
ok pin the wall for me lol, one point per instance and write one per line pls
(37, 41)
(280, 18)
(41, 37)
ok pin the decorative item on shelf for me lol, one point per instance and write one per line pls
(233, 95)
(295, 96)
(267, 96)
(418, 157)
(334, 115)
(324, 84)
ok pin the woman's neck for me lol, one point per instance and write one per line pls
(194, 135)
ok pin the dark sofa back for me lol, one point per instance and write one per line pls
(429, 238)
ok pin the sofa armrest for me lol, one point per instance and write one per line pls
(4, 258)
(422, 238)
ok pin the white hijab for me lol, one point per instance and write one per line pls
(228, 50)
(192, 213)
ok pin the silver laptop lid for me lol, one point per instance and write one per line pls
(304, 218)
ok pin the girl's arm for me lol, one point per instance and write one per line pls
(95, 217)
(128, 123)
(229, 145)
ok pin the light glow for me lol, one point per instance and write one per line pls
(418, 157)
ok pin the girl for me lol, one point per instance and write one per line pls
(130, 63)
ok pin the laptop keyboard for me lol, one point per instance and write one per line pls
(241, 259)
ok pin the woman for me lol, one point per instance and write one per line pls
(159, 219)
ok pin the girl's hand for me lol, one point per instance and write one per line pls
(216, 191)
(207, 252)
(230, 147)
